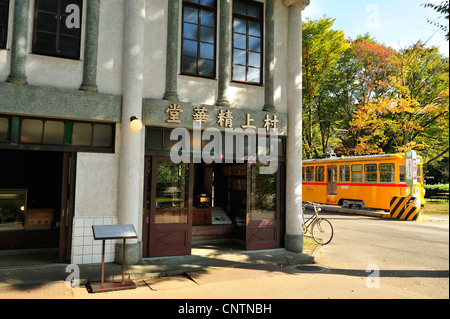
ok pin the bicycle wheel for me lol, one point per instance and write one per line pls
(322, 231)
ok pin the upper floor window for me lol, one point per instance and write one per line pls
(199, 38)
(55, 31)
(247, 41)
(4, 9)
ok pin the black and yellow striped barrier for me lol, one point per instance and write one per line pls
(405, 208)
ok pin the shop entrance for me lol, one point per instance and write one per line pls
(195, 204)
(35, 206)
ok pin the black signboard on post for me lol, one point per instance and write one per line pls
(111, 232)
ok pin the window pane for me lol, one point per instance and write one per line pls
(189, 64)
(240, 41)
(357, 173)
(370, 167)
(68, 46)
(387, 167)
(240, 57)
(239, 73)
(254, 75)
(263, 202)
(82, 134)
(208, 3)
(64, 30)
(191, 15)
(207, 18)
(207, 51)
(206, 67)
(344, 173)
(240, 26)
(320, 173)
(190, 48)
(254, 44)
(402, 173)
(254, 10)
(254, 29)
(4, 127)
(54, 132)
(172, 193)
(254, 59)
(31, 131)
(207, 34)
(103, 134)
(45, 42)
(46, 22)
(190, 31)
(239, 7)
(48, 5)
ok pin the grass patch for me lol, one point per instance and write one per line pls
(439, 207)
(309, 244)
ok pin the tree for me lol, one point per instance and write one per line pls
(440, 8)
(322, 48)
(413, 111)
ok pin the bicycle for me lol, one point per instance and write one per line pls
(321, 229)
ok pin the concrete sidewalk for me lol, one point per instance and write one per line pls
(49, 281)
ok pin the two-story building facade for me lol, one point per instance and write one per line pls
(121, 112)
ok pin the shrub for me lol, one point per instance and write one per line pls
(433, 190)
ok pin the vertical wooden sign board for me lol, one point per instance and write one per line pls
(112, 232)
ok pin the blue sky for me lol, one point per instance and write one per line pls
(396, 23)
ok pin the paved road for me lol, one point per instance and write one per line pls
(412, 256)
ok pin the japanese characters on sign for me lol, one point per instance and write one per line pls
(224, 118)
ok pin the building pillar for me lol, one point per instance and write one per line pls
(91, 47)
(131, 165)
(224, 76)
(294, 214)
(19, 49)
(171, 93)
(269, 67)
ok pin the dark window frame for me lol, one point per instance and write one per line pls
(4, 27)
(199, 7)
(60, 15)
(249, 19)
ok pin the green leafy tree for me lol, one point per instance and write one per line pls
(322, 49)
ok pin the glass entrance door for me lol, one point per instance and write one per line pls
(170, 207)
(263, 217)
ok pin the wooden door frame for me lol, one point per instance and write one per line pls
(150, 229)
(67, 206)
(275, 224)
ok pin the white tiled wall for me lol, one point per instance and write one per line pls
(86, 250)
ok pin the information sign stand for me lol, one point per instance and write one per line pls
(111, 232)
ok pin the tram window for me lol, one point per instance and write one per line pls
(303, 173)
(344, 173)
(387, 173)
(357, 176)
(320, 173)
(310, 174)
(370, 173)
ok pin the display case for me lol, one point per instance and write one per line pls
(13, 207)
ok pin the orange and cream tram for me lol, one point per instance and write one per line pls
(359, 181)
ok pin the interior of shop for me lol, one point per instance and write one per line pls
(220, 199)
(30, 199)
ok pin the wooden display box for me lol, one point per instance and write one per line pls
(201, 216)
(39, 218)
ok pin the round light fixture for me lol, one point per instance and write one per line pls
(136, 124)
